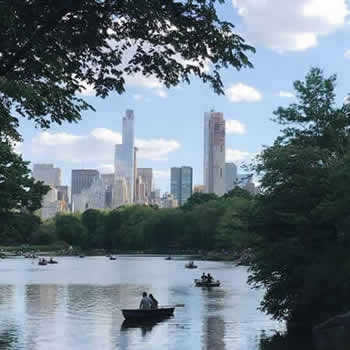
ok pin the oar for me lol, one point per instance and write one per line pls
(175, 305)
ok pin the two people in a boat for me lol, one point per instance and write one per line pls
(148, 302)
(207, 278)
(191, 263)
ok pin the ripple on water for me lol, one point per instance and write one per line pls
(76, 305)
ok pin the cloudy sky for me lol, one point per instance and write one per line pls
(290, 37)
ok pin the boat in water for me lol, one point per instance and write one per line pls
(191, 265)
(51, 261)
(112, 258)
(147, 314)
(42, 262)
(200, 283)
(168, 258)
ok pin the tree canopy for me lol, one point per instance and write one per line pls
(302, 214)
(50, 50)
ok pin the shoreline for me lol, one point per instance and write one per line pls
(13, 251)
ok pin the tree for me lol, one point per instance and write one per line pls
(237, 192)
(50, 50)
(302, 212)
(233, 228)
(70, 230)
(18, 191)
(197, 199)
(202, 224)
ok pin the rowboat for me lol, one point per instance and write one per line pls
(190, 266)
(148, 314)
(112, 258)
(52, 262)
(42, 263)
(200, 283)
(168, 258)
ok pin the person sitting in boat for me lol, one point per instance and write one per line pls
(154, 302)
(203, 277)
(209, 278)
(145, 303)
(51, 260)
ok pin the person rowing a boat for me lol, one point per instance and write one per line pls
(204, 277)
(154, 301)
(209, 278)
(146, 302)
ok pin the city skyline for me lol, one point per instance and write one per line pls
(169, 122)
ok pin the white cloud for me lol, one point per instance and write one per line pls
(97, 146)
(87, 89)
(143, 81)
(290, 25)
(285, 94)
(241, 92)
(156, 149)
(347, 54)
(139, 97)
(234, 127)
(161, 93)
(234, 155)
(105, 168)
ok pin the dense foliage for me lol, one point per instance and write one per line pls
(302, 215)
(20, 196)
(217, 224)
(51, 50)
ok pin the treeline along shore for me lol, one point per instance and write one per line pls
(206, 223)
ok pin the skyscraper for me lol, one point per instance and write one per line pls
(82, 179)
(146, 175)
(214, 153)
(48, 174)
(175, 183)
(125, 156)
(230, 176)
(181, 183)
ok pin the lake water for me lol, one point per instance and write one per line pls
(76, 305)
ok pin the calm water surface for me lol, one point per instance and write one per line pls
(76, 305)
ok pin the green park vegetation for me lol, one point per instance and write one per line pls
(205, 223)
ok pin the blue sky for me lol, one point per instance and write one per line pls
(290, 38)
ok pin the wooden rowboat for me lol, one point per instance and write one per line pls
(200, 283)
(148, 314)
(191, 266)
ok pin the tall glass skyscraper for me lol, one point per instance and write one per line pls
(230, 176)
(125, 157)
(181, 183)
(214, 153)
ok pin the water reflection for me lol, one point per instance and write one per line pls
(76, 305)
(214, 325)
(8, 337)
(285, 342)
(144, 326)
